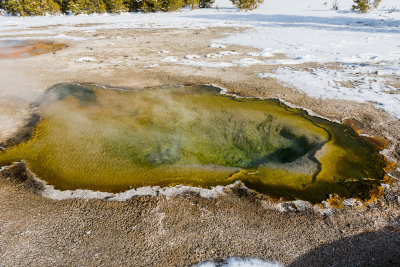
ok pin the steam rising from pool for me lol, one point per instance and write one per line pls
(108, 139)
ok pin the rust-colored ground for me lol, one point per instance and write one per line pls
(29, 50)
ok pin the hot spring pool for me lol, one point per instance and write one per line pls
(109, 139)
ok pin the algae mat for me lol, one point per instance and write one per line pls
(22, 49)
(110, 139)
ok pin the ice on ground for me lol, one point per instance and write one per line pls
(192, 56)
(207, 64)
(214, 45)
(163, 52)
(151, 66)
(239, 262)
(37, 32)
(212, 55)
(114, 61)
(353, 82)
(266, 52)
(140, 58)
(310, 29)
(293, 61)
(197, 63)
(228, 53)
(246, 62)
(85, 59)
(170, 59)
(49, 37)
(221, 54)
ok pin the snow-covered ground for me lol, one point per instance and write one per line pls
(238, 262)
(364, 47)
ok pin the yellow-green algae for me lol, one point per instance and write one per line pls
(109, 139)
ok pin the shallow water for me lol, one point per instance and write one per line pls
(10, 43)
(21, 49)
(111, 140)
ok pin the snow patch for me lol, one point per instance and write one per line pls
(240, 262)
(207, 64)
(170, 59)
(266, 75)
(114, 61)
(151, 66)
(228, 53)
(267, 52)
(222, 54)
(85, 59)
(3, 12)
(192, 56)
(163, 52)
(354, 82)
(140, 58)
(212, 55)
(247, 62)
(215, 45)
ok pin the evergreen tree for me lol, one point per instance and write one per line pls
(43, 7)
(361, 5)
(50, 7)
(365, 5)
(247, 4)
(162, 5)
(86, 6)
(206, 3)
(199, 3)
(30, 8)
(151, 5)
(173, 5)
(75, 8)
(63, 4)
(13, 7)
(133, 5)
(376, 3)
(193, 4)
(115, 6)
(96, 6)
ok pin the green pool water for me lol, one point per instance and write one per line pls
(108, 139)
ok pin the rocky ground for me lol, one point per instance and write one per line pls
(183, 229)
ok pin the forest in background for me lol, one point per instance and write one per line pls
(76, 7)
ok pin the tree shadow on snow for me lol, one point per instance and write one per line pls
(320, 23)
